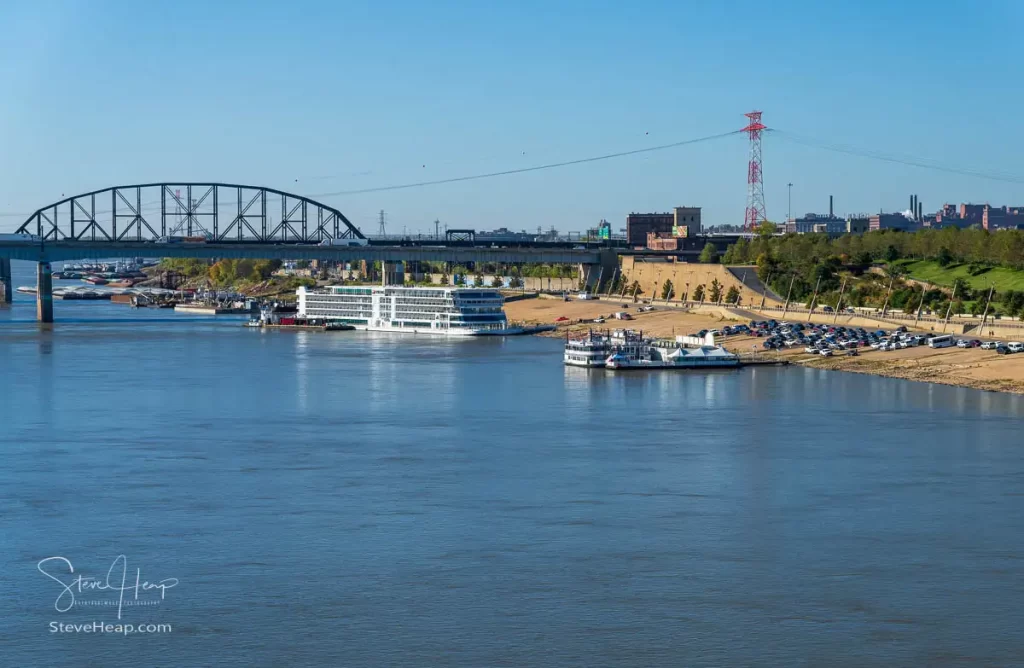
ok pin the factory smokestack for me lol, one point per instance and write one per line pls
(913, 206)
(830, 206)
(920, 211)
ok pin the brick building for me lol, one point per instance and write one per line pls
(1002, 218)
(639, 225)
(684, 221)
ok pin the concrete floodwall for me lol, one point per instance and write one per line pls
(686, 276)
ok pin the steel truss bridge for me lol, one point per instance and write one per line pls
(220, 212)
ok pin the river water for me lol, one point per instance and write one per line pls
(351, 499)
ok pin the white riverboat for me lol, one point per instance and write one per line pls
(670, 355)
(590, 351)
(441, 311)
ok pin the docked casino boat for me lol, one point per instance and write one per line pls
(670, 355)
(444, 311)
(627, 349)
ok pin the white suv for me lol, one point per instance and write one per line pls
(1015, 347)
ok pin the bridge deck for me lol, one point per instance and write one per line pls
(83, 250)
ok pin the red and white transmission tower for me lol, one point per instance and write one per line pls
(755, 184)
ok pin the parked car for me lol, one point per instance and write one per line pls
(990, 345)
(962, 343)
(1002, 350)
(826, 353)
(1015, 347)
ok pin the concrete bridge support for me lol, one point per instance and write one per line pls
(394, 273)
(44, 293)
(5, 277)
(594, 275)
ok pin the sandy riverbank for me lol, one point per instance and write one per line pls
(974, 368)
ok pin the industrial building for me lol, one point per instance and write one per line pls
(892, 221)
(1002, 218)
(858, 224)
(816, 223)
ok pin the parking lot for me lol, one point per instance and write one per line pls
(831, 340)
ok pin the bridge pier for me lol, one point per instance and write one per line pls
(393, 272)
(608, 262)
(5, 277)
(44, 293)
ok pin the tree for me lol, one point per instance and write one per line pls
(944, 258)
(667, 291)
(478, 281)
(710, 254)
(496, 282)
(730, 255)
(515, 282)
(715, 294)
(698, 293)
(892, 254)
(732, 296)
(1013, 303)
(767, 229)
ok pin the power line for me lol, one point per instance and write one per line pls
(474, 177)
(922, 163)
(522, 170)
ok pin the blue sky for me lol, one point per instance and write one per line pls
(318, 97)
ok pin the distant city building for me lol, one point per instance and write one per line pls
(857, 224)
(892, 221)
(639, 225)
(972, 212)
(816, 223)
(663, 242)
(684, 221)
(1002, 218)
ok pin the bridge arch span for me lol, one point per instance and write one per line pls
(218, 212)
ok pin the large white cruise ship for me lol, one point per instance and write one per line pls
(413, 310)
